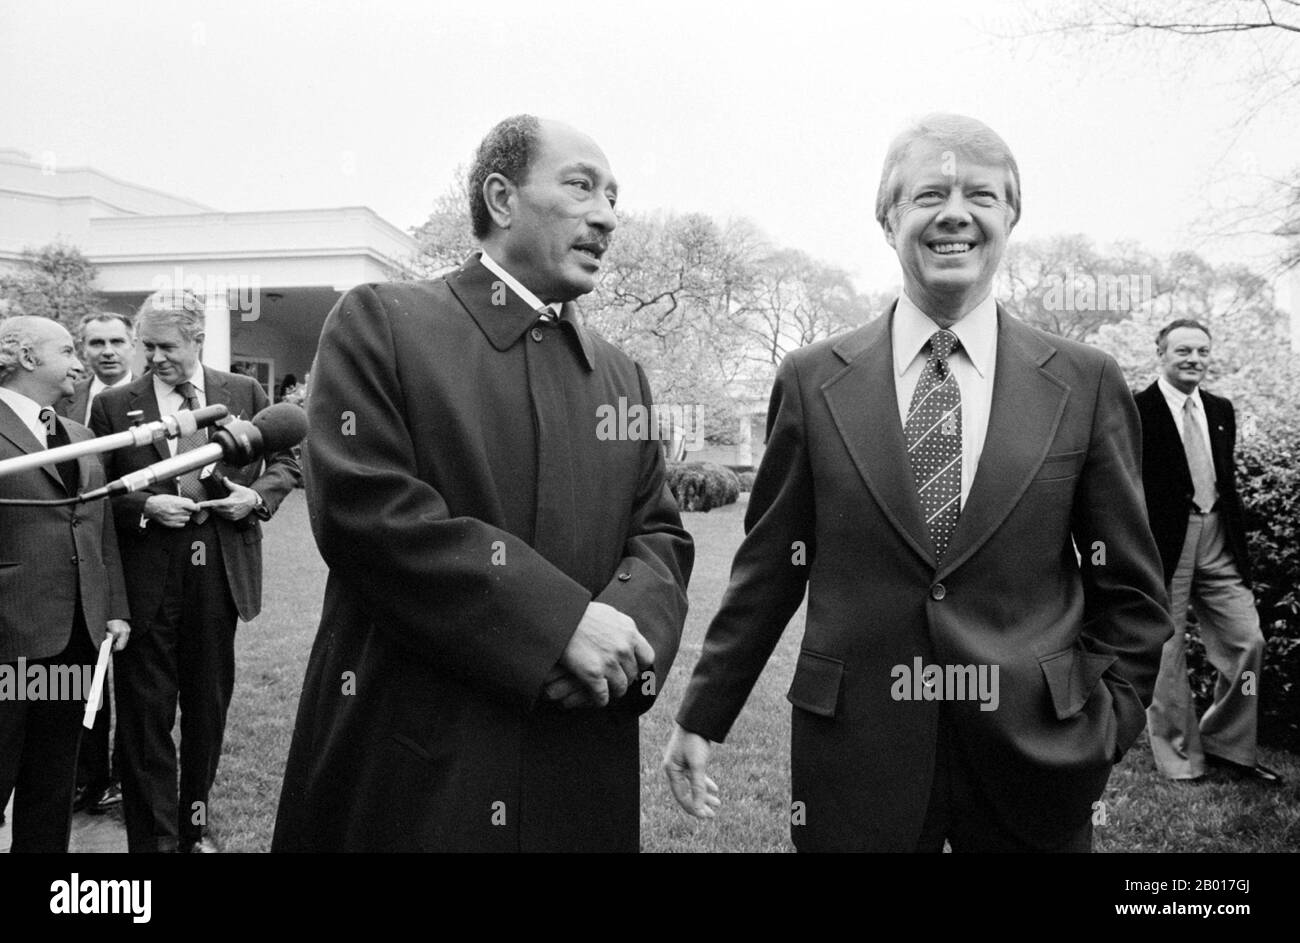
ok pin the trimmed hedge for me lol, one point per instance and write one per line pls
(1268, 478)
(702, 486)
(746, 479)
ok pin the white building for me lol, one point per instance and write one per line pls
(270, 278)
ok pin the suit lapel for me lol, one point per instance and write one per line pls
(1220, 447)
(1027, 406)
(215, 391)
(141, 397)
(1169, 445)
(863, 404)
(16, 431)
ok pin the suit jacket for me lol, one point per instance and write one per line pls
(1167, 479)
(1077, 642)
(469, 512)
(50, 555)
(145, 550)
(74, 406)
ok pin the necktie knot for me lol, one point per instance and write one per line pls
(188, 393)
(943, 343)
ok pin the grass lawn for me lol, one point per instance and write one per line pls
(1143, 811)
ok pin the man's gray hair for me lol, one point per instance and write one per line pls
(180, 308)
(16, 334)
(964, 136)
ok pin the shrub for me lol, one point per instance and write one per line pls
(702, 486)
(1268, 478)
(746, 479)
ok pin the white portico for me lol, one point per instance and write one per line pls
(269, 278)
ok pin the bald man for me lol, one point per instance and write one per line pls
(61, 585)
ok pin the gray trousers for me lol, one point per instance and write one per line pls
(1207, 577)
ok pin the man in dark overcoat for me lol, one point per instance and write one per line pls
(507, 581)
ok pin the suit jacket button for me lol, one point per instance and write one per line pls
(74, 560)
(625, 576)
(536, 334)
(76, 521)
(938, 591)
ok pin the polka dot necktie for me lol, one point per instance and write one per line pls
(933, 432)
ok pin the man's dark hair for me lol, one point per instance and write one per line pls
(1174, 325)
(508, 150)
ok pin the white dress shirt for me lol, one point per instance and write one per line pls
(972, 364)
(517, 287)
(1175, 398)
(98, 386)
(171, 402)
(28, 410)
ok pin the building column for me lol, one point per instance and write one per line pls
(216, 332)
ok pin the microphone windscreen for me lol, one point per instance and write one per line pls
(282, 425)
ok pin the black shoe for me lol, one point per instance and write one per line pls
(1259, 772)
(83, 797)
(108, 797)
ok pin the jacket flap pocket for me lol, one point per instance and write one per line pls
(1071, 677)
(1061, 465)
(816, 684)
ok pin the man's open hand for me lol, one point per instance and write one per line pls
(604, 657)
(685, 762)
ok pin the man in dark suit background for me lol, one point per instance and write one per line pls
(192, 555)
(507, 588)
(1189, 475)
(61, 587)
(106, 342)
(964, 675)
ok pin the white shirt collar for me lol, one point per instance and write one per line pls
(977, 331)
(28, 410)
(516, 286)
(196, 378)
(1176, 397)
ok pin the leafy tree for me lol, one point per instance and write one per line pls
(55, 281)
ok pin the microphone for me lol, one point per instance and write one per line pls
(169, 427)
(238, 442)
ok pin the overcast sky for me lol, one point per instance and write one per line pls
(780, 113)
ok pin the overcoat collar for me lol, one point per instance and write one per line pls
(502, 315)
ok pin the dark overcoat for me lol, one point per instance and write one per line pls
(469, 511)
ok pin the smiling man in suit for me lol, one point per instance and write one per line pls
(1189, 472)
(964, 675)
(61, 587)
(192, 554)
(507, 587)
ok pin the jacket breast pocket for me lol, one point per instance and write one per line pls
(1061, 465)
(816, 684)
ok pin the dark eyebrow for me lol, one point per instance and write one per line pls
(591, 170)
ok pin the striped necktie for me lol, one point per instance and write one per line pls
(933, 432)
(190, 485)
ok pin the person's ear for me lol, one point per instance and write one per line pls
(889, 232)
(499, 195)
